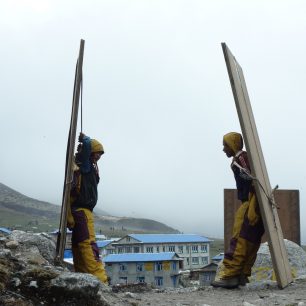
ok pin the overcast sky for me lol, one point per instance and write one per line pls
(156, 94)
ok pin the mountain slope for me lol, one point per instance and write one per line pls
(22, 212)
(12, 199)
(135, 225)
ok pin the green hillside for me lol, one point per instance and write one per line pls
(18, 211)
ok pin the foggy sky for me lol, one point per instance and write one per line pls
(156, 94)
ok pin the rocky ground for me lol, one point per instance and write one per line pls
(28, 277)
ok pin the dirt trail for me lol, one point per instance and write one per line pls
(266, 293)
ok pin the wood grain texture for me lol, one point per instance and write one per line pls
(262, 184)
(61, 241)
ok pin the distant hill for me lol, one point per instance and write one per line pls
(22, 212)
(127, 225)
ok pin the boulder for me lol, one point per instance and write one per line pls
(263, 268)
(30, 243)
(29, 277)
(80, 287)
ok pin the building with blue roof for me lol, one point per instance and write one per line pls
(194, 249)
(104, 243)
(55, 233)
(217, 258)
(102, 246)
(101, 243)
(132, 257)
(166, 238)
(4, 231)
(158, 269)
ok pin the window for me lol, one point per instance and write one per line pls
(171, 248)
(128, 239)
(122, 267)
(194, 249)
(108, 268)
(187, 248)
(205, 260)
(195, 260)
(164, 249)
(139, 267)
(206, 277)
(123, 280)
(149, 249)
(157, 249)
(128, 249)
(159, 281)
(204, 248)
(120, 250)
(136, 249)
(174, 281)
(180, 249)
(140, 279)
(158, 266)
(187, 261)
(174, 265)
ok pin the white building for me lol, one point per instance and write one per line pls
(102, 246)
(194, 249)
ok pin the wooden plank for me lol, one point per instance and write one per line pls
(61, 239)
(262, 184)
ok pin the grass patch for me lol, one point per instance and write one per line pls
(216, 246)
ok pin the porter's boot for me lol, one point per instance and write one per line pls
(228, 283)
(243, 280)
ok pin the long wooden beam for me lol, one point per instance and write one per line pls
(262, 184)
(61, 238)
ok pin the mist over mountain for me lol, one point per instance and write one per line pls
(18, 211)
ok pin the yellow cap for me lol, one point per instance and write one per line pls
(96, 146)
(234, 141)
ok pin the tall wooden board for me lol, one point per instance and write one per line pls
(61, 238)
(262, 184)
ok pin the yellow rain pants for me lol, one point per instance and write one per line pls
(84, 248)
(244, 244)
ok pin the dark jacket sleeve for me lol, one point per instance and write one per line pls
(243, 181)
(85, 155)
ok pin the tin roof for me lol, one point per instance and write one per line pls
(103, 243)
(219, 256)
(5, 230)
(140, 257)
(212, 267)
(169, 238)
(68, 254)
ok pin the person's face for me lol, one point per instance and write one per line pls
(227, 150)
(96, 156)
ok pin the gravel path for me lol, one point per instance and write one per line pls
(253, 294)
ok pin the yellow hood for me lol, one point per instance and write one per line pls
(234, 141)
(96, 146)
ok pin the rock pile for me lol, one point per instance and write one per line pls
(263, 270)
(29, 277)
